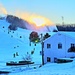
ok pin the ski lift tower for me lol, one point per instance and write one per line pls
(62, 20)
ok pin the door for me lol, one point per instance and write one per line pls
(48, 59)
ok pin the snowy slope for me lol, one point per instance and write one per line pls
(12, 43)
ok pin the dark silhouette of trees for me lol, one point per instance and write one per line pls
(16, 22)
(68, 27)
(46, 36)
(55, 30)
(12, 27)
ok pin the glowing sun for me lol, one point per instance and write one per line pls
(38, 21)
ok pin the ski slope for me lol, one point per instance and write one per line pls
(12, 43)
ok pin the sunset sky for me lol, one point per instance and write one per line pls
(50, 9)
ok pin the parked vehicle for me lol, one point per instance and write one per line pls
(12, 63)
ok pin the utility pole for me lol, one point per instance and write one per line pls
(42, 53)
(62, 20)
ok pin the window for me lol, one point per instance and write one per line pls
(48, 59)
(72, 48)
(59, 46)
(48, 45)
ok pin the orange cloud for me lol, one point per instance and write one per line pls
(2, 10)
(33, 17)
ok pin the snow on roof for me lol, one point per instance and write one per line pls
(69, 34)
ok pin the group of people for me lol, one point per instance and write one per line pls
(27, 56)
(15, 54)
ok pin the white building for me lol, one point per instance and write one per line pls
(58, 46)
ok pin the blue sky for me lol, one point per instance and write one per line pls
(51, 9)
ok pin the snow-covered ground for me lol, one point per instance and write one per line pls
(11, 43)
(49, 69)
